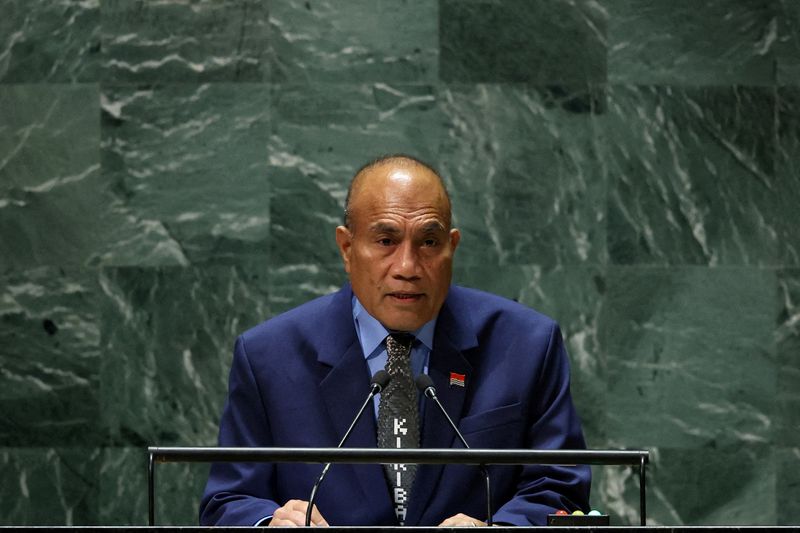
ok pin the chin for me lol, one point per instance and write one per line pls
(403, 325)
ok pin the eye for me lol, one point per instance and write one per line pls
(385, 241)
(430, 243)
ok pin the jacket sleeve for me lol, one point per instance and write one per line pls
(554, 424)
(241, 493)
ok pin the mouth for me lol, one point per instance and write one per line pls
(405, 297)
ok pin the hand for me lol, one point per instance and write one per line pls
(462, 520)
(293, 513)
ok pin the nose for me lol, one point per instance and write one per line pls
(406, 264)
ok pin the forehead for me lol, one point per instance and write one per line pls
(407, 191)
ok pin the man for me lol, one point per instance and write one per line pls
(297, 380)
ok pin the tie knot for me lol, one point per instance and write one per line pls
(399, 344)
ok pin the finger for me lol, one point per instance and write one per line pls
(277, 522)
(294, 513)
(462, 520)
(288, 518)
(316, 517)
(291, 514)
(450, 521)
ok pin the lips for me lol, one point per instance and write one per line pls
(406, 296)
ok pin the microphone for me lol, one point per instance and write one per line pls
(425, 385)
(376, 385)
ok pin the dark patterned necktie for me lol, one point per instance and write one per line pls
(398, 419)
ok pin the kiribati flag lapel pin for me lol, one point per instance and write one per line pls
(457, 380)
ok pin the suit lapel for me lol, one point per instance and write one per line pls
(453, 336)
(343, 390)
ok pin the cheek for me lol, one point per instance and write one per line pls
(444, 274)
(439, 266)
(373, 268)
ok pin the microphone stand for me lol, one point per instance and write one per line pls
(425, 384)
(378, 383)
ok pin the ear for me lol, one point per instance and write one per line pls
(344, 241)
(455, 238)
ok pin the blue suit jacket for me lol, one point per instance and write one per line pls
(298, 379)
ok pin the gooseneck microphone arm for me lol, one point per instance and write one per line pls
(425, 385)
(376, 385)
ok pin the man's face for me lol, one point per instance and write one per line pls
(399, 248)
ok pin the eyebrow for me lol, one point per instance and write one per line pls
(390, 229)
(382, 227)
(433, 227)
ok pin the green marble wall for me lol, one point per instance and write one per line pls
(171, 173)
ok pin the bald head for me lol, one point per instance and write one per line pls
(377, 172)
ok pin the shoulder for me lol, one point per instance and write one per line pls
(304, 322)
(484, 307)
(485, 319)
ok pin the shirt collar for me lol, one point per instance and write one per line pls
(371, 333)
